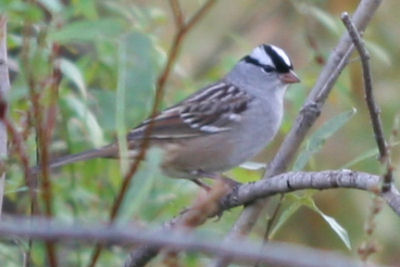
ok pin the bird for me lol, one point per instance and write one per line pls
(219, 126)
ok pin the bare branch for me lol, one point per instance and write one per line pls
(368, 246)
(292, 181)
(283, 183)
(241, 251)
(374, 110)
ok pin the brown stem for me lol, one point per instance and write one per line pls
(45, 136)
(43, 129)
(4, 88)
(177, 12)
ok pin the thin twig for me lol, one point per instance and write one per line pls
(274, 253)
(172, 56)
(374, 110)
(45, 132)
(4, 88)
(273, 218)
(271, 221)
(17, 140)
(177, 12)
(42, 130)
(31, 181)
(178, 38)
(369, 247)
(369, 96)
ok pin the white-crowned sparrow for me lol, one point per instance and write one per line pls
(219, 126)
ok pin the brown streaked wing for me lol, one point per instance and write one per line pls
(167, 125)
(211, 110)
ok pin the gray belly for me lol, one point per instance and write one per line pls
(219, 152)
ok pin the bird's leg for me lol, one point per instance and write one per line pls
(218, 176)
(201, 184)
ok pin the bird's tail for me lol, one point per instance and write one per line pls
(109, 151)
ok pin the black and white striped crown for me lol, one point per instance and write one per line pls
(269, 58)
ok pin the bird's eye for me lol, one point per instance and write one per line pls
(268, 69)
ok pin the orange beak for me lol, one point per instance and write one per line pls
(289, 77)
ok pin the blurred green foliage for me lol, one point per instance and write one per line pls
(111, 54)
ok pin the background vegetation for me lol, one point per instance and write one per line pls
(110, 54)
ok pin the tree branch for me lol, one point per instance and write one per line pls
(368, 246)
(293, 181)
(283, 183)
(241, 251)
(374, 110)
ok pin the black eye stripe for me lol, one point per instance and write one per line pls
(266, 68)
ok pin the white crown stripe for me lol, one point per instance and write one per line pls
(282, 54)
(260, 55)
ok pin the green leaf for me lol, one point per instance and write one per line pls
(378, 52)
(363, 156)
(121, 105)
(106, 116)
(335, 226)
(24, 10)
(141, 67)
(136, 78)
(54, 6)
(287, 213)
(72, 72)
(253, 166)
(327, 20)
(297, 202)
(366, 155)
(85, 30)
(80, 110)
(17, 190)
(317, 140)
(86, 8)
